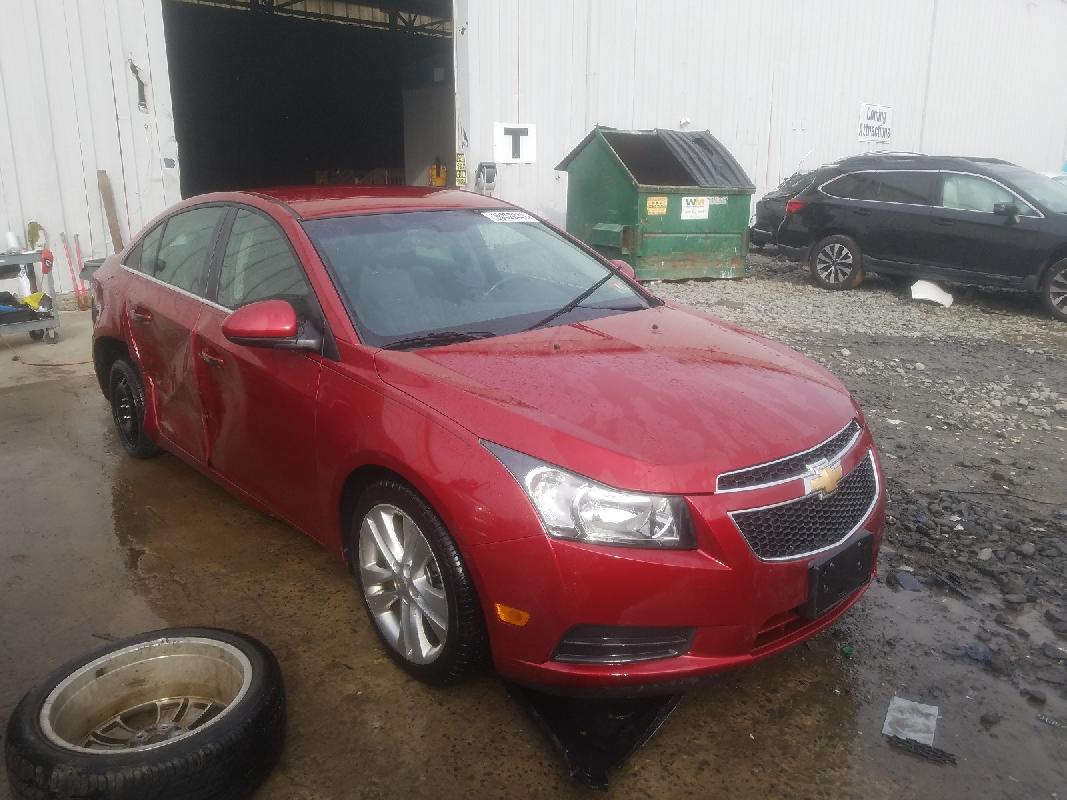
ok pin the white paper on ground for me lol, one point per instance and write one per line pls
(925, 290)
(910, 720)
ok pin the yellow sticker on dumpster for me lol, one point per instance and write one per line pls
(695, 207)
(656, 206)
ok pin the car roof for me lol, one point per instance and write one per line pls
(313, 202)
(891, 161)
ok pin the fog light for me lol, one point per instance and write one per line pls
(512, 616)
(610, 644)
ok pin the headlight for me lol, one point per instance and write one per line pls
(577, 508)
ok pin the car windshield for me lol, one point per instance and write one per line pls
(1047, 192)
(429, 277)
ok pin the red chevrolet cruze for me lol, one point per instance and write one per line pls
(517, 449)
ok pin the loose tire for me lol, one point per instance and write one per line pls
(837, 263)
(179, 713)
(415, 587)
(127, 409)
(1054, 290)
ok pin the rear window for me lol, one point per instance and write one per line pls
(916, 188)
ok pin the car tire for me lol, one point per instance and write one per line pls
(836, 262)
(1054, 290)
(126, 393)
(409, 587)
(228, 749)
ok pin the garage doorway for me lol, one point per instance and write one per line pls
(277, 92)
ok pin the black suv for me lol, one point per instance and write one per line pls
(967, 220)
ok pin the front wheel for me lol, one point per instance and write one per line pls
(837, 263)
(1054, 290)
(416, 589)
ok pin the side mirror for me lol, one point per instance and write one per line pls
(270, 323)
(1009, 210)
(624, 268)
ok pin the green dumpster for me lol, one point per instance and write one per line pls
(673, 204)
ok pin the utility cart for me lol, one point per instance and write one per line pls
(39, 325)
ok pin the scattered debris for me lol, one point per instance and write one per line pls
(991, 718)
(929, 752)
(977, 651)
(925, 290)
(848, 650)
(910, 720)
(905, 580)
(1055, 723)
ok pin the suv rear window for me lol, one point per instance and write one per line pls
(916, 188)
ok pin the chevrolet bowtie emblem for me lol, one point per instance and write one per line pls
(822, 477)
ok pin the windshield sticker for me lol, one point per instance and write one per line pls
(508, 216)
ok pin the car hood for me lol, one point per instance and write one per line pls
(659, 400)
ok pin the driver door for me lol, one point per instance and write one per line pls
(260, 403)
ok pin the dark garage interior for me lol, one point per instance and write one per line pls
(269, 92)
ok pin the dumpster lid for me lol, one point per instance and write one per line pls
(662, 157)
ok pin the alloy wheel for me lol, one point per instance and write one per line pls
(403, 584)
(1057, 291)
(835, 263)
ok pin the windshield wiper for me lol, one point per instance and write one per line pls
(437, 337)
(573, 304)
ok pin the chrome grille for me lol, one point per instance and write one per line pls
(790, 467)
(814, 522)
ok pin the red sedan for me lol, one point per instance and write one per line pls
(517, 449)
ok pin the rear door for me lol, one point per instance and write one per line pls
(163, 306)
(260, 403)
(970, 242)
(889, 210)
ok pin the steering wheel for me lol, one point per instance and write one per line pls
(504, 280)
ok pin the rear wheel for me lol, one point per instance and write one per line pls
(127, 409)
(837, 263)
(416, 589)
(1054, 290)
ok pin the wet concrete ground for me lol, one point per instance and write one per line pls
(94, 545)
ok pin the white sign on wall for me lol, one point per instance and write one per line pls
(876, 123)
(514, 143)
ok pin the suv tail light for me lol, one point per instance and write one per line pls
(794, 205)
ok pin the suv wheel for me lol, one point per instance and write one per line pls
(416, 588)
(1054, 290)
(837, 263)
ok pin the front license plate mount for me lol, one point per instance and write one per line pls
(836, 575)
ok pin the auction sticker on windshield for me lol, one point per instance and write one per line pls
(695, 207)
(508, 216)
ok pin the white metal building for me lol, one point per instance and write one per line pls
(126, 87)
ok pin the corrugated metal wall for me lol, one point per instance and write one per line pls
(69, 106)
(780, 83)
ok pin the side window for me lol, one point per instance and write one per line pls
(143, 258)
(972, 193)
(854, 186)
(183, 251)
(260, 265)
(916, 188)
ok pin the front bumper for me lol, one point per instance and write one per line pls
(740, 608)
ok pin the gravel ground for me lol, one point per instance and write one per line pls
(969, 407)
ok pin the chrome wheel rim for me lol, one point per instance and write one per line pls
(403, 584)
(1057, 291)
(146, 695)
(835, 263)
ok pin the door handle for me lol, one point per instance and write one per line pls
(210, 360)
(141, 314)
(861, 212)
(947, 223)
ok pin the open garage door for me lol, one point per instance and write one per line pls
(280, 92)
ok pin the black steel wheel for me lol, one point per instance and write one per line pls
(178, 713)
(127, 409)
(416, 589)
(837, 263)
(1054, 290)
